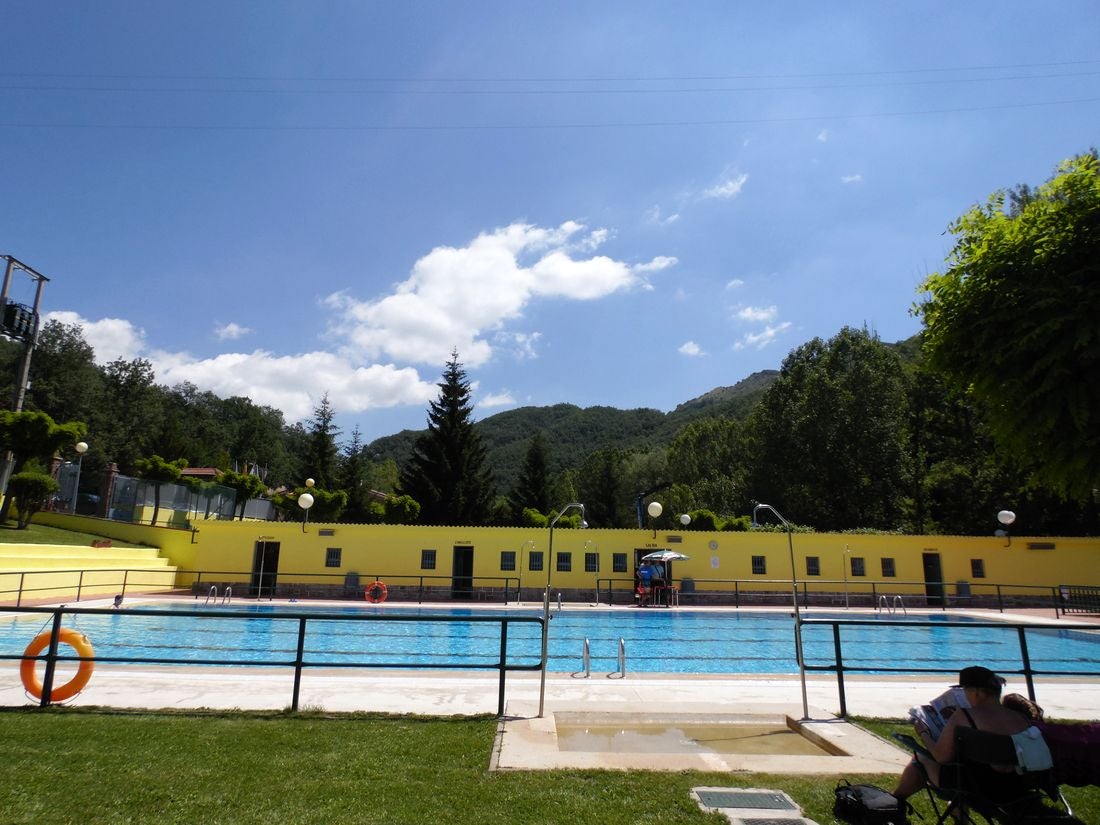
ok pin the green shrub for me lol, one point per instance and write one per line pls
(30, 490)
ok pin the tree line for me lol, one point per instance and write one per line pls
(993, 407)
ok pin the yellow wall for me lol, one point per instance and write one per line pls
(393, 553)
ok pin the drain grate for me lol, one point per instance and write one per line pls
(759, 800)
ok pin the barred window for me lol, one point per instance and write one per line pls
(332, 556)
(507, 559)
(534, 560)
(977, 568)
(859, 568)
(618, 562)
(591, 562)
(813, 566)
(759, 566)
(889, 569)
(565, 562)
(427, 560)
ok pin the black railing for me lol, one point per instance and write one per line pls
(1026, 669)
(834, 593)
(72, 584)
(299, 663)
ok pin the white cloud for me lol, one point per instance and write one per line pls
(851, 178)
(231, 332)
(499, 399)
(736, 283)
(653, 216)
(455, 297)
(824, 135)
(729, 188)
(759, 340)
(756, 314)
(690, 349)
(111, 338)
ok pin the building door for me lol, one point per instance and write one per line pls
(933, 578)
(265, 569)
(462, 573)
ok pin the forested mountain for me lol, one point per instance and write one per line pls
(574, 432)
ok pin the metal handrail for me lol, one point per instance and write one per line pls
(622, 658)
(899, 602)
(882, 604)
(586, 658)
(300, 661)
(1027, 671)
(213, 594)
(227, 596)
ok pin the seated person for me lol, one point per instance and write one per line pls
(983, 692)
(645, 583)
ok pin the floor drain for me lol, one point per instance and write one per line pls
(758, 800)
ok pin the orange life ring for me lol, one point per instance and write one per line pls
(78, 642)
(376, 592)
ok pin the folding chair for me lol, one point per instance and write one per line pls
(983, 785)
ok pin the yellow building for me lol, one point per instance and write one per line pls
(290, 559)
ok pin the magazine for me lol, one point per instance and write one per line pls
(936, 713)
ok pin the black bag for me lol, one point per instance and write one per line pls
(868, 805)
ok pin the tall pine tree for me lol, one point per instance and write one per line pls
(321, 450)
(447, 472)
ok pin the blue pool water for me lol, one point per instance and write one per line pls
(656, 641)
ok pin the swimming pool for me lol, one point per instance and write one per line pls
(655, 641)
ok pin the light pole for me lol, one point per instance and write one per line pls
(654, 509)
(794, 596)
(844, 564)
(1006, 518)
(305, 501)
(546, 597)
(81, 448)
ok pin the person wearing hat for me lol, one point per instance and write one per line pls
(983, 692)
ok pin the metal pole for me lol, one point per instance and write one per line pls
(546, 602)
(794, 598)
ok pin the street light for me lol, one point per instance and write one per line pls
(654, 509)
(305, 501)
(81, 448)
(573, 505)
(794, 596)
(1005, 517)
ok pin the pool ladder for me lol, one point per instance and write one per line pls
(586, 659)
(212, 596)
(883, 604)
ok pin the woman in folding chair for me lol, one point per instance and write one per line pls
(940, 766)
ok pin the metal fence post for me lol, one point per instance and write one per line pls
(839, 670)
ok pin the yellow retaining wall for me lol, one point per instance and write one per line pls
(223, 551)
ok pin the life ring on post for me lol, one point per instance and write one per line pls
(78, 642)
(376, 592)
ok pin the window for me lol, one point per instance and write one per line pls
(759, 566)
(813, 566)
(859, 567)
(591, 562)
(889, 570)
(332, 557)
(507, 559)
(977, 568)
(618, 562)
(427, 560)
(565, 562)
(534, 560)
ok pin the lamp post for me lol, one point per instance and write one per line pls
(546, 597)
(1006, 518)
(654, 509)
(81, 448)
(794, 596)
(305, 501)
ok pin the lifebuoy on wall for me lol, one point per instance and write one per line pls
(376, 592)
(78, 642)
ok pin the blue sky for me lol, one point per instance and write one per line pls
(616, 203)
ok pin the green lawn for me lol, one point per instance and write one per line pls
(41, 534)
(88, 766)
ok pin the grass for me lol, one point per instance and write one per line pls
(43, 534)
(68, 765)
(77, 766)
